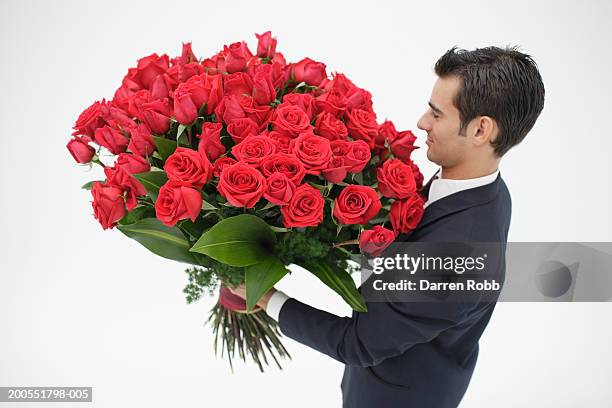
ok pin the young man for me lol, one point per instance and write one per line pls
(412, 354)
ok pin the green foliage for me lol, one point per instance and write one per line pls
(165, 147)
(261, 277)
(167, 242)
(208, 276)
(152, 182)
(242, 240)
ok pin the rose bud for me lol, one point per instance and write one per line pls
(108, 204)
(266, 45)
(309, 71)
(80, 150)
(113, 139)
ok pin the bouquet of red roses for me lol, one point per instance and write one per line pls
(242, 164)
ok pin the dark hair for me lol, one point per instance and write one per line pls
(501, 83)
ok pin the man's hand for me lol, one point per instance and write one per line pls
(263, 302)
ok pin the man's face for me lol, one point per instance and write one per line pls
(445, 146)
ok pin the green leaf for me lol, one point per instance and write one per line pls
(165, 147)
(358, 177)
(167, 242)
(241, 240)
(193, 229)
(180, 130)
(268, 206)
(208, 206)
(89, 184)
(338, 280)
(260, 277)
(279, 229)
(137, 214)
(152, 181)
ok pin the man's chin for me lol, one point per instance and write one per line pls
(431, 156)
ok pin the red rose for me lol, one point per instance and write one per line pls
(114, 140)
(263, 85)
(309, 71)
(80, 150)
(237, 83)
(146, 71)
(266, 45)
(222, 163)
(141, 142)
(280, 189)
(374, 241)
(161, 87)
(333, 102)
(120, 178)
(131, 101)
(336, 170)
(304, 101)
(234, 107)
(204, 89)
(340, 148)
(359, 99)
(418, 176)
(357, 156)
(395, 179)
(188, 167)
(284, 163)
(402, 145)
(356, 205)
(242, 185)
(280, 73)
(236, 56)
(108, 204)
(229, 109)
(132, 164)
(362, 125)
(156, 115)
(185, 111)
(328, 126)
(282, 140)
(305, 208)
(406, 213)
(210, 140)
(240, 129)
(89, 120)
(177, 202)
(254, 148)
(313, 151)
(116, 117)
(290, 120)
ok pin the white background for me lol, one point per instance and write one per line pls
(84, 307)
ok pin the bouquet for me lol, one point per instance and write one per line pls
(243, 164)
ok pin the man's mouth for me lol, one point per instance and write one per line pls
(428, 141)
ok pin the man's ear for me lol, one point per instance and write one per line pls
(484, 130)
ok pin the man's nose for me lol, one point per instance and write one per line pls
(424, 124)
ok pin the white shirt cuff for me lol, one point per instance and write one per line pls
(276, 302)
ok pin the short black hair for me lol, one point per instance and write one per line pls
(501, 83)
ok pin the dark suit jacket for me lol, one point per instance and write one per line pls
(412, 354)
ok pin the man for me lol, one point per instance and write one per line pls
(416, 354)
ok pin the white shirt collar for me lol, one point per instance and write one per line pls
(441, 187)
